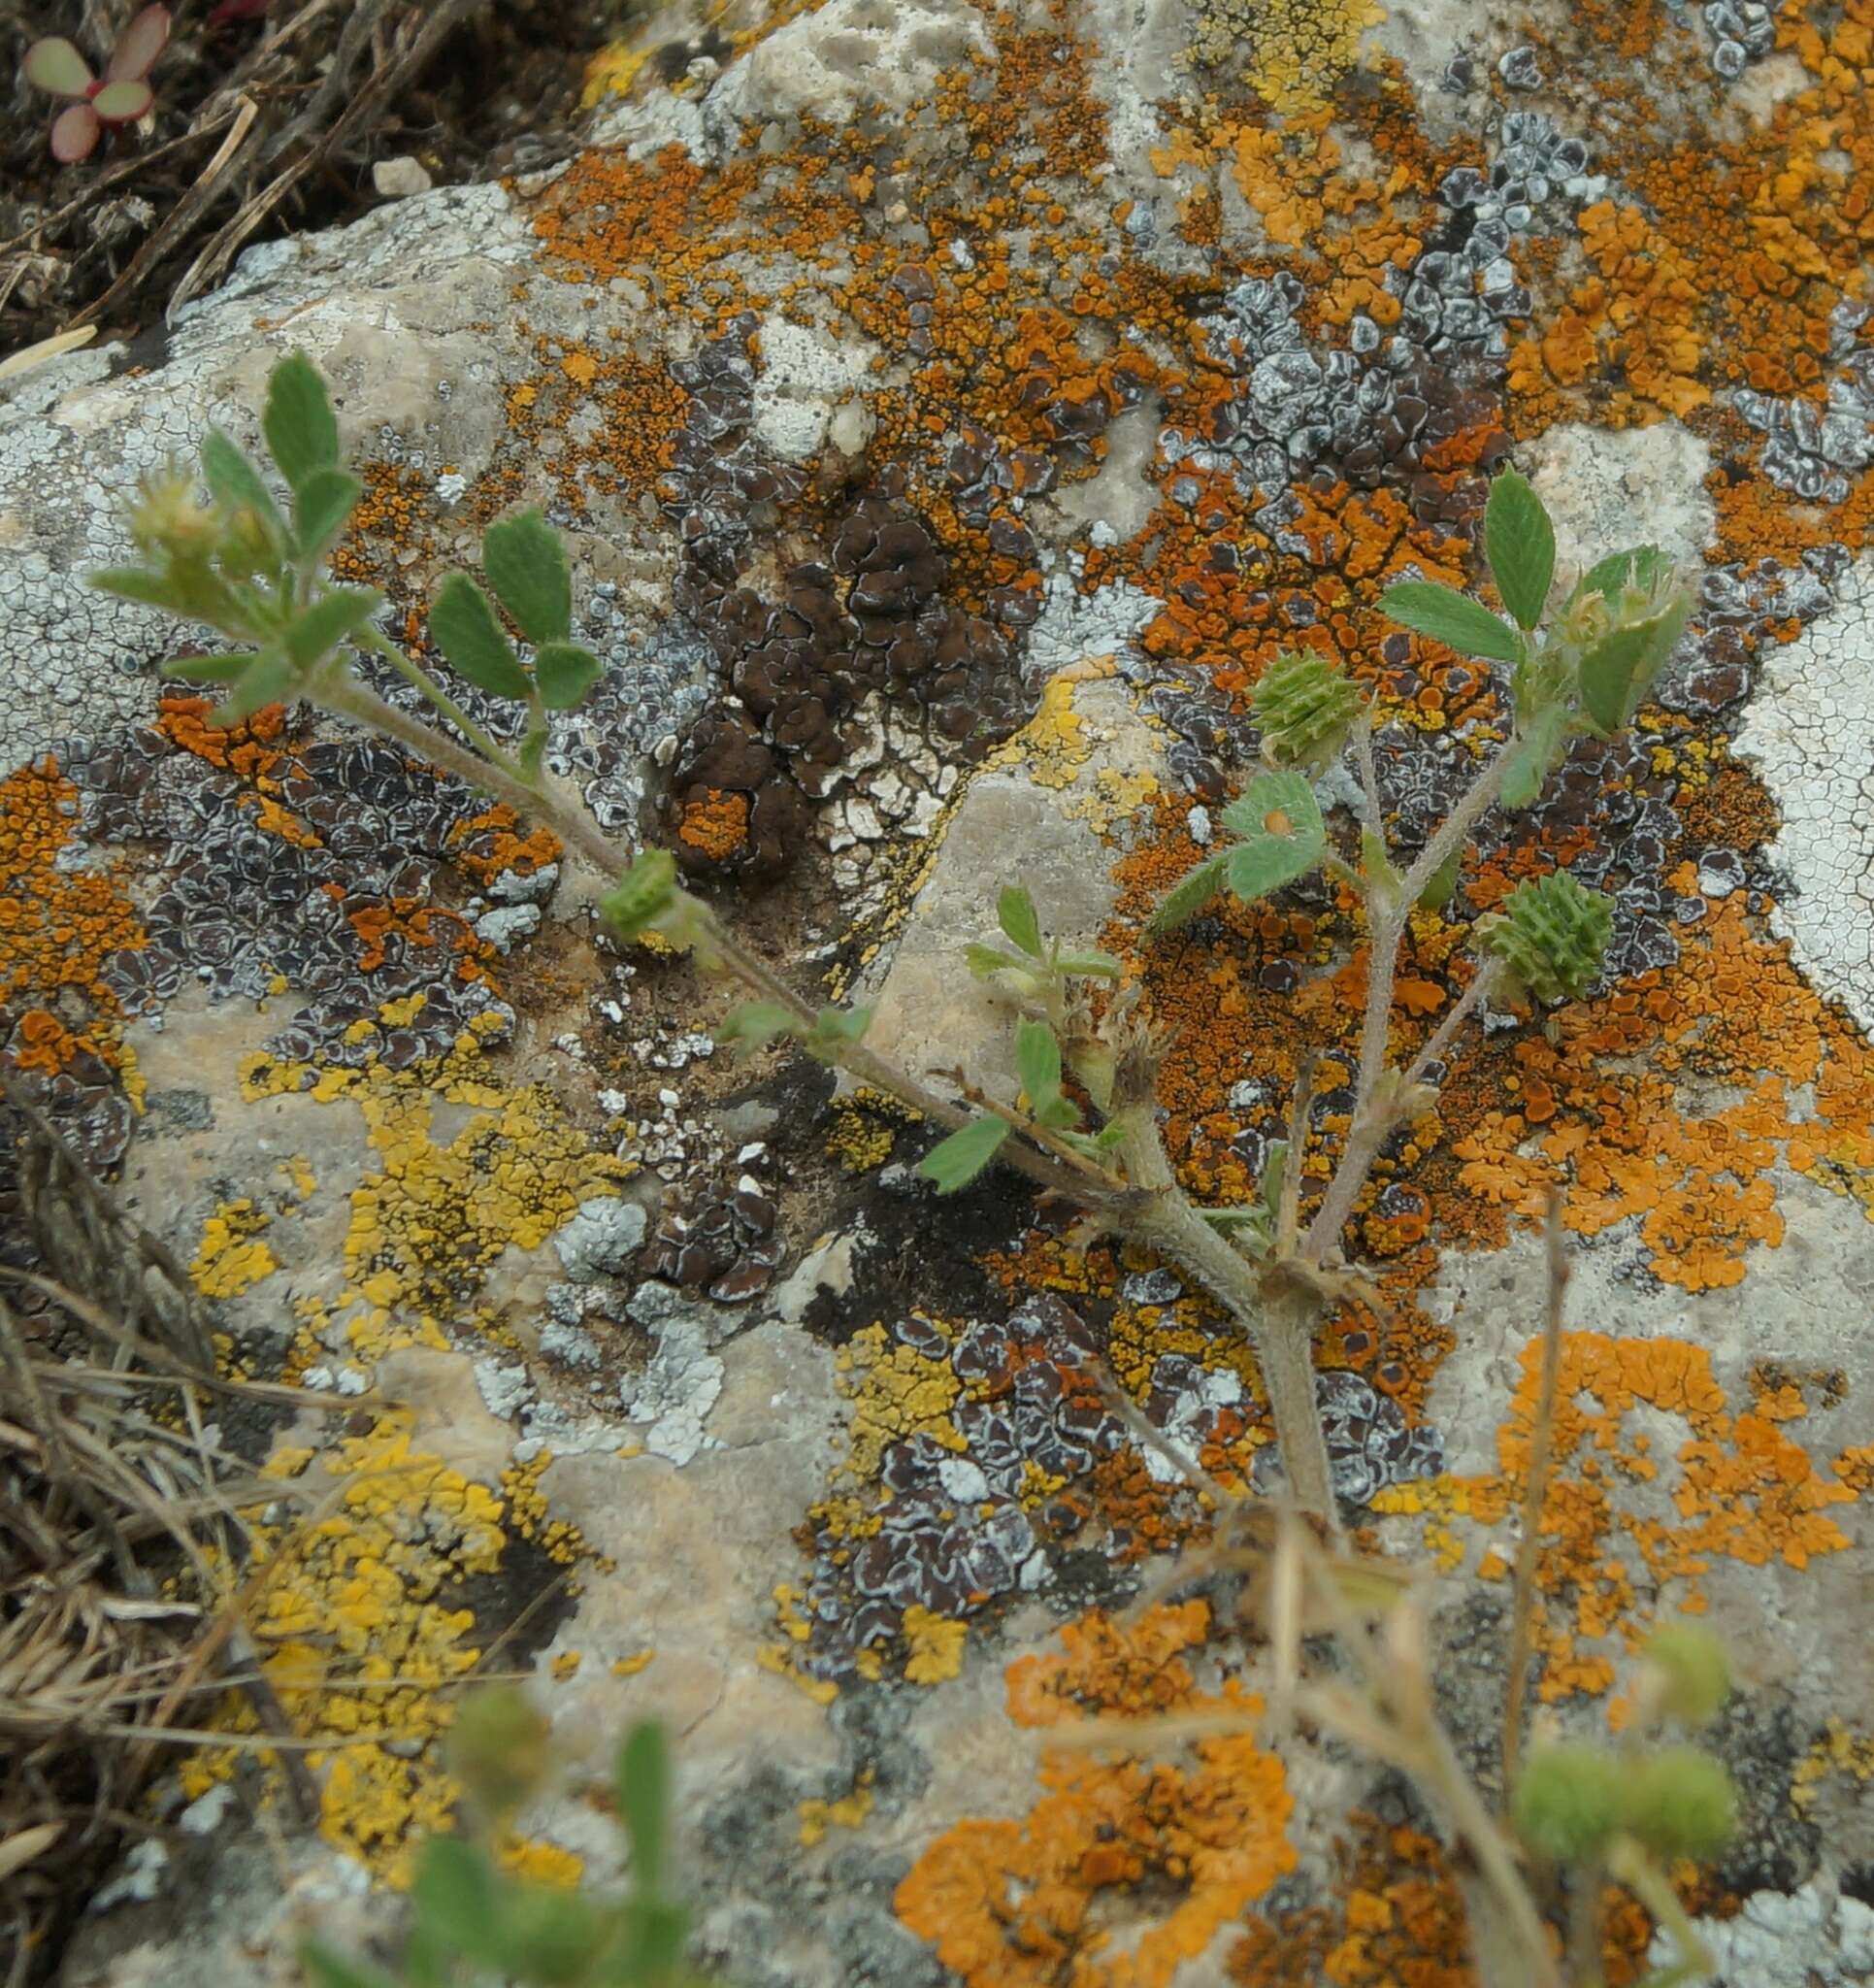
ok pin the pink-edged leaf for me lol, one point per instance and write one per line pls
(142, 42)
(54, 65)
(75, 134)
(122, 103)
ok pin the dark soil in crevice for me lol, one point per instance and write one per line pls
(500, 94)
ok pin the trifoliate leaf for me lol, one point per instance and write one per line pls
(1452, 618)
(643, 895)
(1519, 542)
(464, 627)
(642, 1782)
(325, 1966)
(236, 483)
(1038, 1061)
(1641, 566)
(835, 1025)
(1283, 835)
(527, 567)
(299, 424)
(956, 1161)
(331, 619)
(137, 584)
(323, 501)
(987, 961)
(1617, 671)
(223, 669)
(270, 678)
(1187, 897)
(756, 1023)
(1015, 913)
(565, 671)
(454, 1894)
(1534, 756)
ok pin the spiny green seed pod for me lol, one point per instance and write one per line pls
(1679, 1803)
(1551, 937)
(1567, 1803)
(1305, 707)
(643, 895)
(1690, 1672)
(498, 1748)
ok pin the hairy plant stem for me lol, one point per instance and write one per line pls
(578, 831)
(1280, 1329)
(1374, 1117)
(1153, 1211)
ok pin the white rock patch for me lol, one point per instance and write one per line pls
(1810, 734)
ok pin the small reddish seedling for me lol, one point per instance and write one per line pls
(119, 96)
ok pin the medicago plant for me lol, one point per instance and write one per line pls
(1084, 1125)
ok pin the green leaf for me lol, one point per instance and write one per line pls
(455, 1895)
(325, 1966)
(270, 678)
(136, 584)
(1616, 673)
(655, 1930)
(1089, 966)
(1038, 1061)
(1284, 836)
(1452, 618)
(756, 1023)
(527, 567)
(465, 629)
(1187, 897)
(987, 961)
(533, 749)
(299, 424)
(642, 1783)
(223, 669)
(1094, 1063)
(565, 671)
(1638, 566)
(647, 892)
(331, 619)
(1275, 1164)
(549, 1935)
(1443, 887)
(956, 1161)
(1057, 1114)
(1519, 542)
(233, 481)
(833, 1025)
(1533, 756)
(323, 501)
(1015, 914)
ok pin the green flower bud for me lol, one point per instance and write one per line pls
(1679, 1803)
(1551, 937)
(1567, 1802)
(498, 1748)
(1305, 707)
(643, 894)
(1690, 1672)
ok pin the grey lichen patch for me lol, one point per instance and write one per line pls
(1810, 734)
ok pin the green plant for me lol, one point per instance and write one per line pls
(119, 96)
(1083, 1126)
(1627, 1811)
(471, 1921)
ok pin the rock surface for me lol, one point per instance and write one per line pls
(951, 414)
